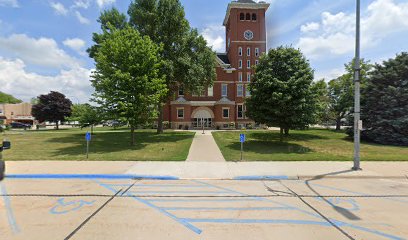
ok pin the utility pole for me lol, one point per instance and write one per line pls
(357, 107)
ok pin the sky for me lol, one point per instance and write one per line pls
(43, 42)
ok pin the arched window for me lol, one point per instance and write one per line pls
(242, 16)
(253, 16)
(248, 16)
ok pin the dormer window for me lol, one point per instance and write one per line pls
(248, 17)
(242, 16)
(253, 16)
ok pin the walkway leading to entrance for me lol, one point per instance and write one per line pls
(204, 149)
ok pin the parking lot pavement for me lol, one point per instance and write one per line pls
(198, 209)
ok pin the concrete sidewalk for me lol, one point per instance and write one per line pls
(204, 148)
(214, 170)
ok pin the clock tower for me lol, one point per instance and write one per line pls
(245, 34)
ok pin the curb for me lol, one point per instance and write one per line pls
(89, 176)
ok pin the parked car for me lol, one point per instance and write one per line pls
(5, 145)
(113, 123)
(20, 125)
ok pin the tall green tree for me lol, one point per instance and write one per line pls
(385, 102)
(189, 61)
(282, 93)
(128, 80)
(321, 90)
(7, 98)
(52, 107)
(341, 91)
(110, 20)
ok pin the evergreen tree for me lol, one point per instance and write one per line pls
(385, 102)
(282, 93)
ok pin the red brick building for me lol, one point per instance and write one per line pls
(222, 105)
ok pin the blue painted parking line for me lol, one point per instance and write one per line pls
(9, 209)
(178, 192)
(224, 209)
(262, 177)
(188, 222)
(161, 185)
(89, 176)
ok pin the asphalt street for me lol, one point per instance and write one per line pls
(203, 209)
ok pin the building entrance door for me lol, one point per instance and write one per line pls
(200, 122)
(202, 118)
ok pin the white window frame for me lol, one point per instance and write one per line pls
(178, 117)
(243, 114)
(226, 90)
(210, 91)
(256, 62)
(240, 77)
(225, 108)
(240, 64)
(249, 64)
(240, 90)
(239, 51)
(248, 51)
(248, 77)
(256, 52)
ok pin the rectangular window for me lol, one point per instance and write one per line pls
(240, 77)
(181, 91)
(248, 51)
(211, 91)
(256, 52)
(248, 77)
(224, 90)
(256, 62)
(180, 113)
(249, 64)
(240, 90)
(225, 112)
(240, 64)
(240, 51)
(240, 111)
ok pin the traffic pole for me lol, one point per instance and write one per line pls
(357, 107)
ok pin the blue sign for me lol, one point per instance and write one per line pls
(242, 138)
(88, 136)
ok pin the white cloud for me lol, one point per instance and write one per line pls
(336, 36)
(329, 74)
(214, 36)
(59, 8)
(102, 3)
(81, 4)
(310, 27)
(75, 44)
(16, 80)
(9, 3)
(81, 18)
(43, 52)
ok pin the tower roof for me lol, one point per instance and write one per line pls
(245, 4)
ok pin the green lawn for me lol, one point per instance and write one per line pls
(309, 145)
(107, 145)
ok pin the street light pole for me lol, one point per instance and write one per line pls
(357, 107)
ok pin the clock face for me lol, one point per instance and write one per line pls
(248, 35)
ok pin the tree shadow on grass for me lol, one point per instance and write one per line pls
(275, 136)
(113, 142)
(270, 147)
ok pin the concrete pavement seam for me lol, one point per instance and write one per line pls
(92, 215)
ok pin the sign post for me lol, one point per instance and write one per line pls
(242, 140)
(88, 140)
